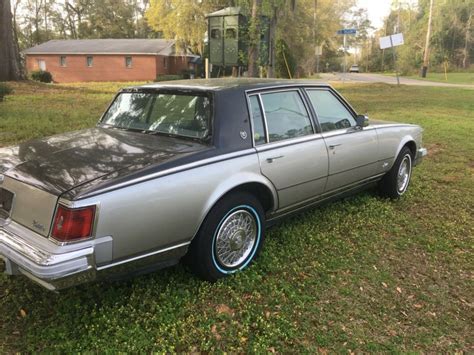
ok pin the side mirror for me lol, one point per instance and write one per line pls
(362, 121)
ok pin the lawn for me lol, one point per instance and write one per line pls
(361, 274)
(453, 78)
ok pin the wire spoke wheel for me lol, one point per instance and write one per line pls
(236, 238)
(403, 176)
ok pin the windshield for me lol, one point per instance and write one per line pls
(186, 115)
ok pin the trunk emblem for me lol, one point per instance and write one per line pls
(38, 225)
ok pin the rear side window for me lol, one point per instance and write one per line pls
(257, 121)
(286, 115)
(332, 114)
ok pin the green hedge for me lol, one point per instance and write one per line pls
(42, 76)
(168, 77)
(4, 91)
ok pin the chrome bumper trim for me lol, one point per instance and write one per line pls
(420, 154)
(53, 271)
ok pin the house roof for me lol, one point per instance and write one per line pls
(106, 46)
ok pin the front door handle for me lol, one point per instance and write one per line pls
(332, 146)
(272, 159)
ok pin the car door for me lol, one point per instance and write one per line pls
(292, 156)
(352, 150)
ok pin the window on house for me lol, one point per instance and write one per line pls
(62, 61)
(41, 64)
(165, 62)
(128, 62)
(89, 61)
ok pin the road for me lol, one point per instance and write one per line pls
(379, 78)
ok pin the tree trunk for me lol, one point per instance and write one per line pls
(254, 39)
(10, 68)
(426, 55)
(272, 44)
(466, 59)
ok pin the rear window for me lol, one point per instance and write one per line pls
(186, 115)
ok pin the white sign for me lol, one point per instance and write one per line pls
(318, 50)
(391, 41)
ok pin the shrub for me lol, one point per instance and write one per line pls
(187, 73)
(4, 90)
(42, 76)
(168, 77)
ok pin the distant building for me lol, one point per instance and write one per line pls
(107, 59)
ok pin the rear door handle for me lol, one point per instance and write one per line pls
(332, 146)
(272, 159)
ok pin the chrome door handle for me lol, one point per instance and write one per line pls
(270, 160)
(332, 146)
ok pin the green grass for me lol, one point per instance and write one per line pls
(453, 78)
(361, 274)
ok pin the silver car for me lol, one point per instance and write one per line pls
(195, 169)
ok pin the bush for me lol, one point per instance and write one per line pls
(4, 90)
(188, 73)
(168, 77)
(42, 76)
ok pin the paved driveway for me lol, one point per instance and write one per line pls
(379, 78)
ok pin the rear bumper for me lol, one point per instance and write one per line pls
(53, 267)
(420, 154)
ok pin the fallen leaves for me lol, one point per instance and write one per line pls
(224, 309)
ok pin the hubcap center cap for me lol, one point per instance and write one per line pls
(237, 240)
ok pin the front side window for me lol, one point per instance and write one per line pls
(286, 115)
(257, 121)
(128, 62)
(165, 62)
(62, 61)
(89, 61)
(186, 115)
(332, 114)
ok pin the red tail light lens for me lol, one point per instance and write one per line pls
(73, 224)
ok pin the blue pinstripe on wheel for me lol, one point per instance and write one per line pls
(244, 263)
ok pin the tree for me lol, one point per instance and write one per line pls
(183, 20)
(426, 55)
(254, 39)
(10, 68)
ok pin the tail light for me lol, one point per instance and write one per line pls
(73, 224)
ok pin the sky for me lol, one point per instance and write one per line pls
(377, 10)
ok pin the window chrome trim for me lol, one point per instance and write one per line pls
(343, 131)
(288, 142)
(264, 118)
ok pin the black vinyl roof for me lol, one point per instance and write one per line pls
(229, 83)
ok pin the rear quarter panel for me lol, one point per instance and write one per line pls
(169, 210)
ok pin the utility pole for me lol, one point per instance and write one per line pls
(426, 55)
